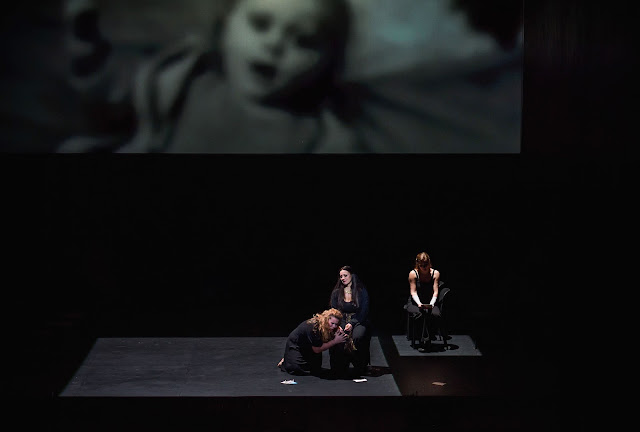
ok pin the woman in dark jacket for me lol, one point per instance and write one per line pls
(350, 297)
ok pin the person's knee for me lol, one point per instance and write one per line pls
(359, 332)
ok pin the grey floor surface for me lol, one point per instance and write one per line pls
(225, 366)
(459, 345)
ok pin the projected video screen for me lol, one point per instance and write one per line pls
(263, 76)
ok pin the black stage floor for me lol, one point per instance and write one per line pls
(232, 383)
(211, 367)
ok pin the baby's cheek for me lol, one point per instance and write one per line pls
(300, 64)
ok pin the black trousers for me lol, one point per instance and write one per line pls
(341, 357)
(301, 363)
(425, 321)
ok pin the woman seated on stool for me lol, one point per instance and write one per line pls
(350, 296)
(423, 284)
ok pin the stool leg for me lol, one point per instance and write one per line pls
(425, 329)
(443, 334)
(408, 326)
(413, 333)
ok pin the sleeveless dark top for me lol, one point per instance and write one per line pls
(424, 290)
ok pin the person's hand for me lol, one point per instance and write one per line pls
(340, 336)
(425, 306)
(348, 327)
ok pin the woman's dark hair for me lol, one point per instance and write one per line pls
(356, 287)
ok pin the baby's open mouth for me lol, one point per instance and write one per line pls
(264, 70)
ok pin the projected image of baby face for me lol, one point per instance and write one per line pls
(272, 48)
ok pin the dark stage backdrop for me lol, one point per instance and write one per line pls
(252, 245)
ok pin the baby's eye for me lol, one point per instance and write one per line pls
(260, 21)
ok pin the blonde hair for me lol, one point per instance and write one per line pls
(320, 322)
